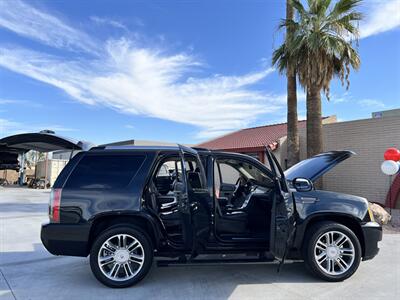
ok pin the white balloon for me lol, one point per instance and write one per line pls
(390, 167)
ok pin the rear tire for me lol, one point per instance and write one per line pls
(121, 256)
(332, 251)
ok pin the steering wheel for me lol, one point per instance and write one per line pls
(241, 181)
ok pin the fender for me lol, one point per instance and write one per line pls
(113, 217)
(343, 218)
(325, 205)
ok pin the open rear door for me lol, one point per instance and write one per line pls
(282, 217)
(195, 203)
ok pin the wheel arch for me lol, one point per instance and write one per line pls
(141, 220)
(347, 220)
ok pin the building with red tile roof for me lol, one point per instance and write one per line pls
(252, 141)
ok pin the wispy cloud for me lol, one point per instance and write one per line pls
(108, 22)
(381, 16)
(6, 102)
(32, 23)
(343, 98)
(9, 127)
(372, 103)
(138, 79)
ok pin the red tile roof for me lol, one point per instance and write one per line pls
(256, 137)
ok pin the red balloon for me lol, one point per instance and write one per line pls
(392, 154)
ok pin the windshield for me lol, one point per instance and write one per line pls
(247, 170)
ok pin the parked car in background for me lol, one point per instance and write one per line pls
(125, 205)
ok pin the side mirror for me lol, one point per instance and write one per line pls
(303, 184)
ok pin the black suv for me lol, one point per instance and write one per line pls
(125, 205)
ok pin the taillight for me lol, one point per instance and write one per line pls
(54, 207)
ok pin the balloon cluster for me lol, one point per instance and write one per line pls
(391, 165)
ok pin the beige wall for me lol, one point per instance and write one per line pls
(281, 152)
(361, 174)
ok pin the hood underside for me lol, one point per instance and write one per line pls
(313, 168)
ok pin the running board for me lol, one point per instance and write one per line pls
(166, 263)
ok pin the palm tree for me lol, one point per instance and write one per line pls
(293, 149)
(286, 65)
(321, 47)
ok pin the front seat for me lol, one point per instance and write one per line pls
(231, 220)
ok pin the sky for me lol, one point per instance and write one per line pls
(176, 71)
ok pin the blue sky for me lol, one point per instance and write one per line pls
(178, 71)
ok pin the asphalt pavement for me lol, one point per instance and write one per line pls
(28, 271)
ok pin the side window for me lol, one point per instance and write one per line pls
(228, 173)
(104, 171)
(66, 171)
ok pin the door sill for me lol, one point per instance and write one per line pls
(203, 261)
(229, 237)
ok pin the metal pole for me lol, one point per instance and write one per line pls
(22, 170)
(70, 156)
(45, 171)
(390, 194)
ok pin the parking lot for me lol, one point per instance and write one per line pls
(28, 271)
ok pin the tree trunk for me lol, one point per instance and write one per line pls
(314, 121)
(293, 149)
(314, 127)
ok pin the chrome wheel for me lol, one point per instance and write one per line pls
(121, 257)
(334, 253)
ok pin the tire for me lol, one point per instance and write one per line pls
(121, 256)
(340, 259)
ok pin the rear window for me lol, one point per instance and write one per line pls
(105, 171)
(66, 171)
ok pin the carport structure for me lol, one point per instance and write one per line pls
(45, 141)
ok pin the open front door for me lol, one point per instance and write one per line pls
(195, 203)
(282, 218)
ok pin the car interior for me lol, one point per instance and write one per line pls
(165, 188)
(244, 197)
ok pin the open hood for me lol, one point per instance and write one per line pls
(316, 166)
(42, 141)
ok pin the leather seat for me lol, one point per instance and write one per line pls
(231, 220)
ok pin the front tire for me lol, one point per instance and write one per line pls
(121, 256)
(332, 251)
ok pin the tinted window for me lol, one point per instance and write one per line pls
(66, 171)
(105, 171)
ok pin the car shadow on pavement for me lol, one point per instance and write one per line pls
(42, 271)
